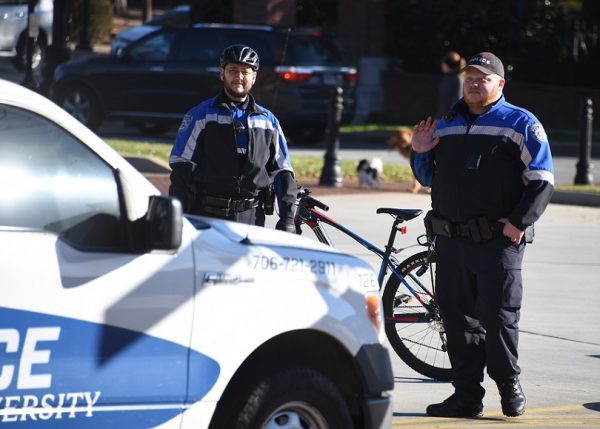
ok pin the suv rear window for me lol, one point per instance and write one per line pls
(204, 45)
(312, 49)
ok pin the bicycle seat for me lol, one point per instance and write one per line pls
(403, 214)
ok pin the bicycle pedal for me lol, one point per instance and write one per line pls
(422, 270)
(402, 299)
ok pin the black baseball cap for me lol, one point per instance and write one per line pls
(487, 63)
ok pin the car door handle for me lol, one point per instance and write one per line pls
(157, 68)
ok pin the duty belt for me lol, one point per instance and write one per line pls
(227, 206)
(476, 229)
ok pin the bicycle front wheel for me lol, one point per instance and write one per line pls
(414, 329)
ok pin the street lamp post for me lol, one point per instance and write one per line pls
(84, 31)
(583, 176)
(331, 173)
(59, 51)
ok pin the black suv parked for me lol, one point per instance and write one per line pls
(157, 78)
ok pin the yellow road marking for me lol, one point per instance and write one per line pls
(565, 416)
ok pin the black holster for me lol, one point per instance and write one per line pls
(436, 226)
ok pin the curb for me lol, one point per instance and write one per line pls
(576, 198)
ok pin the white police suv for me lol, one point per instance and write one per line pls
(118, 312)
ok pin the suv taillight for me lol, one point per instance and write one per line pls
(351, 77)
(293, 74)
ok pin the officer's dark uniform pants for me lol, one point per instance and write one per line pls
(479, 290)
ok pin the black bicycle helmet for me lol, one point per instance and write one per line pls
(240, 54)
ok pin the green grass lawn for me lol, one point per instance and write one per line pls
(304, 166)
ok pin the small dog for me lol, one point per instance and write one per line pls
(368, 173)
(400, 140)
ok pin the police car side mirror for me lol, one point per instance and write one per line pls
(163, 223)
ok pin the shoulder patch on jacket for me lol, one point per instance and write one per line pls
(537, 130)
(185, 122)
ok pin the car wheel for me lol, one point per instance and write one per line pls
(38, 57)
(82, 104)
(295, 398)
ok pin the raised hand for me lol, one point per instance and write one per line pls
(422, 138)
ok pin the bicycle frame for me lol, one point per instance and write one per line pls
(314, 217)
(415, 330)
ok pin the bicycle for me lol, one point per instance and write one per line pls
(413, 323)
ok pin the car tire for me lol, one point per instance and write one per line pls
(82, 104)
(39, 53)
(295, 397)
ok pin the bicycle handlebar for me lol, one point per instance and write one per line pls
(307, 201)
(316, 203)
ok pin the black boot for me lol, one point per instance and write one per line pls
(512, 397)
(456, 407)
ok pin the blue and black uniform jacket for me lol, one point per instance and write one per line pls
(497, 165)
(213, 158)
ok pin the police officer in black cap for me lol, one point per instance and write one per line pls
(489, 167)
(230, 155)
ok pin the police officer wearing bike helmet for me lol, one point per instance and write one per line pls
(490, 169)
(230, 153)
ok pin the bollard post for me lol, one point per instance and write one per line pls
(331, 172)
(583, 175)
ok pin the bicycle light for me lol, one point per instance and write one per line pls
(373, 307)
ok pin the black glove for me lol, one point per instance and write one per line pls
(286, 218)
(286, 224)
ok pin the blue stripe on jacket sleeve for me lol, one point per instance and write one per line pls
(422, 167)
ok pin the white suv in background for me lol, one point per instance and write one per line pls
(13, 31)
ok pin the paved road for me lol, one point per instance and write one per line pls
(560, 339)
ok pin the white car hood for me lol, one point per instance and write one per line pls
(238, 232)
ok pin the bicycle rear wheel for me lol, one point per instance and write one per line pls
(415, 331)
